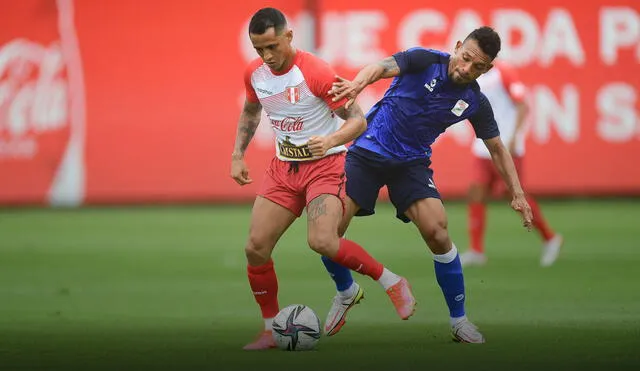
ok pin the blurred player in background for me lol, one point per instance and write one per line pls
(506, 93)
(431, 91)
(308, 170)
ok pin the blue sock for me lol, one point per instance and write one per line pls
(340, 275)
(451, 281)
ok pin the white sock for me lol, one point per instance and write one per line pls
(388, 279)
(348, 293)
(448, 257)
(268, 324)
(455, 320)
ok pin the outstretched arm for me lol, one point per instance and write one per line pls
(247, 125)
(371, 73)
(521, 115)
(504, 164)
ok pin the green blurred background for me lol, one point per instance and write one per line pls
(164, 287)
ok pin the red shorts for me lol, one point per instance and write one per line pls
(484, 172)
(294, 190)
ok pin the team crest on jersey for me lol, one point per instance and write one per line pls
(459, 108)
(293, 94)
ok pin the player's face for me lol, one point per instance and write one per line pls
(275, 50)
(468, 62)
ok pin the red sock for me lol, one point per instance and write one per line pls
(354, 257)
(264, 285)
(477, 221)
(538, 220)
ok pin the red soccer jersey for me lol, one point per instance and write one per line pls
(296, 102)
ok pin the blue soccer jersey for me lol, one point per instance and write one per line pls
(421, 103)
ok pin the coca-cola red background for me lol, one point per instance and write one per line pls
(145, 104)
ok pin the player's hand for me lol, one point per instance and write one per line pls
(318, 146)
(240, 172)
(519, 203)
(344, 88)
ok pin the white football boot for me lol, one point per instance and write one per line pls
(338, 313)
(551, 250)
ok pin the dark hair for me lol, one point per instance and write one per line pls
(266, 18)
(488, 40)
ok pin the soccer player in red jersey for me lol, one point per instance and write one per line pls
(506, 93)
(308, 170)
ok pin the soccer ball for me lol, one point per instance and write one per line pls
(296, 327)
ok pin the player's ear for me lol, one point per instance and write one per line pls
(289, 34)
(458, 45)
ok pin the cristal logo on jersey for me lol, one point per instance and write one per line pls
(291, 151)
(459, 108)
(293, 94)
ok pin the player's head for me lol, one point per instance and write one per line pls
(271, 37)
(474, 56)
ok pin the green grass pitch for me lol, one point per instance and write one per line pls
(164, 288)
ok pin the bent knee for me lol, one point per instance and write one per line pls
(258, 250)
(437, 237)
(324, 244)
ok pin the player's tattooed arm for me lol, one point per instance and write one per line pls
(354, 125)
(383, 69)
(371, 73)
(390, 67)
(247, 125)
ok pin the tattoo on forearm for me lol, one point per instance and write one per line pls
(317, 208)
(247, 130)
(354, 111)
(390, 66)
(249, 121)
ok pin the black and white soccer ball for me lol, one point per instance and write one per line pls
(296, 327)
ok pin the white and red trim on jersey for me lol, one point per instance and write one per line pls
(296, 102)
(504, 90)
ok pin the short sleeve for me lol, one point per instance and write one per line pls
(320, 78)
(483, 122)
(415, 60)
(250, 92)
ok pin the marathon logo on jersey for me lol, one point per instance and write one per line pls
(290, 150)
(293, 94)
(460, 107)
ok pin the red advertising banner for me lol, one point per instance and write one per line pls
(125, 101)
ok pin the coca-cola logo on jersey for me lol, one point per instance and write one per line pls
(33, 96)
(288, 124)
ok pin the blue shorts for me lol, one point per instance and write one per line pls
(407, 182)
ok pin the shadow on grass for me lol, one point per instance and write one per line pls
(369, 348)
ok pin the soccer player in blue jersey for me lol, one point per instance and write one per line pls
(431, 91)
